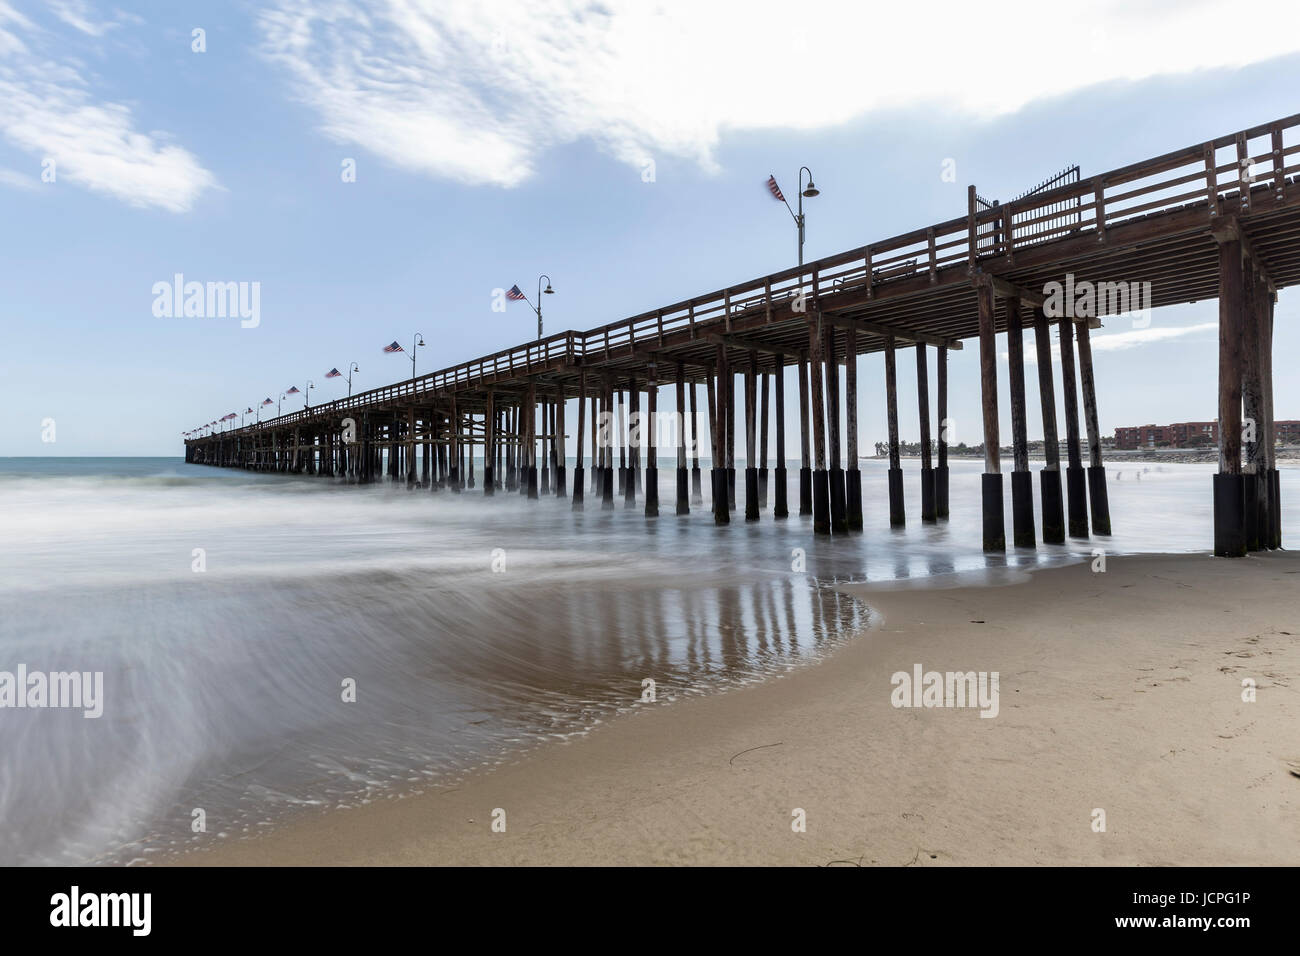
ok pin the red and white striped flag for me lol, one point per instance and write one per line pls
(774, 189)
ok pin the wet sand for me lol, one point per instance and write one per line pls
(1119, 691)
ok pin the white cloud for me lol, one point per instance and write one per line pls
(77, 14)
(48, 109)
(1128, 339)
(473, 90)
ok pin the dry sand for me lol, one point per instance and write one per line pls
(1120, 691)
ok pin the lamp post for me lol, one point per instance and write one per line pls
(352, 368)
(541, 292)
(417, 341)
(283, 396)
(810, 190)
(306, 395)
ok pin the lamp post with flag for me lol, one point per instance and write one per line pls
(306, 395)
(810, 190)
(516, 294)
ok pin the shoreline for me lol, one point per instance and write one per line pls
(1115, 711)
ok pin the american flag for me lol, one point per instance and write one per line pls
(293, 390)
(248, 411)
(774, 189)
(515, 294)
(226, 418)
(393, 347)
(268, 402)
(333, 373)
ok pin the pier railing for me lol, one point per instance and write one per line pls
(1224, 176)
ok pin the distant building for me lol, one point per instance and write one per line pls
(1189, 435)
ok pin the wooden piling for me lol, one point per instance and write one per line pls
(1050, 476)
(683, 487)
(852, 475)
(1229, 504)
(751, 451)
(821, 486)
(1097, 496)
(1076, 495)
(835, 470)
(991, 481)
(897, 510)
(780, 502)
(1022, 483)
(697, 490)
(805, 433)
(923, 414)
(650, 428)
(941, 399)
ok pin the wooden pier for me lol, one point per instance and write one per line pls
(1217, 219)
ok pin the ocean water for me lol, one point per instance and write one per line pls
(227, 611)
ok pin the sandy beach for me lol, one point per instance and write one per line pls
(1120, 691)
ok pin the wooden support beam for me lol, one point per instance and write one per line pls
(841, 321)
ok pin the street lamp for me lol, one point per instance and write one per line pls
(353, 368)
(283, 396)
(306, 395)
(810, 190)
(541, 292)
(417, 341)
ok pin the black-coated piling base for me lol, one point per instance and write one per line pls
(651, 491)
(511, 483)
(532, 483)
(762, 488)
(489, 486)
(629, 488)
(1275, 507)
(697, 490)
(1022, 509)
(1250, 509)
(683, 492)
(577, 488)
(927, 495)
(453, 480)
(897, 514)
(731, 488)
(821, 495)
(622, 480)
(995, 534)
(941, 491)
(853, 499)
(1076, 496)
(1229, 517)
(805, 491)
(1049, 481)
(1264, 499)
(607, 489)
(780, 505)
(839, 510)
(751, 494)
(721, 513)
(561, 484)
(1098, 500)
(546, 480)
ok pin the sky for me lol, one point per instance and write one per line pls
(619, 147)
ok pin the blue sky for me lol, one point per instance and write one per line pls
(492, 145)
